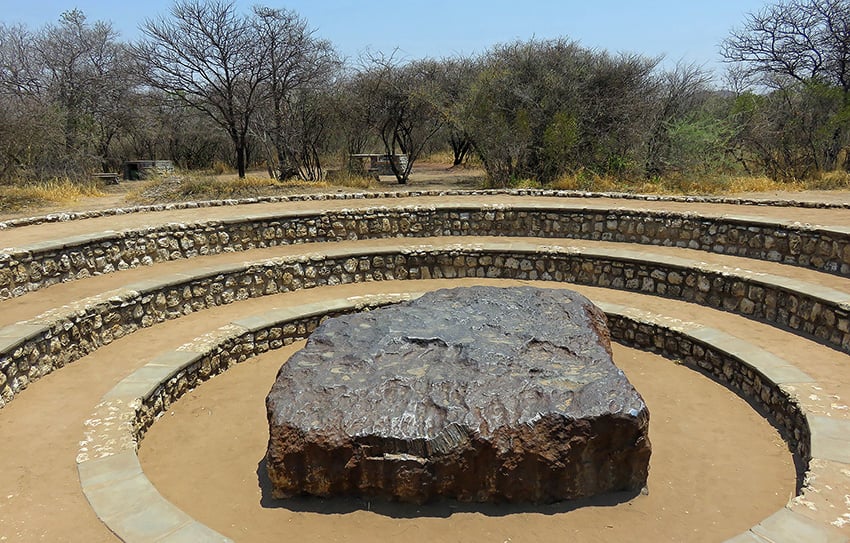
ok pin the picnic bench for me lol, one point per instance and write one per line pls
(108, 178)
(378, 164)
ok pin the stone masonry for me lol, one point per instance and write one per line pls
(26, 269)
(33, 349)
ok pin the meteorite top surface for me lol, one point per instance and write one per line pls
(429, 373)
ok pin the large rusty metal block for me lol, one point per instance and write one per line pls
(479, 394)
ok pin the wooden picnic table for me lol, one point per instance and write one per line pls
(109, 178)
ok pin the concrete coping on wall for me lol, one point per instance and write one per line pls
(79, 215)
(17, 335)
(127, 502)
(82, 240)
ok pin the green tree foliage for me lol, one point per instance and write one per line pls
(700, 144)
(561, 139)
(796, 53)
(540, 109)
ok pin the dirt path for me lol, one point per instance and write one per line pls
(426, 176)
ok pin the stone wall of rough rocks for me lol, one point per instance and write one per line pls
(77, 215)
(28, 269)
(224, 354)
(725, 368)
(56, 339)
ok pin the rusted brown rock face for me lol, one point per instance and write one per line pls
(480, 394)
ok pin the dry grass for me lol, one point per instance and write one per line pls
(712, 185)
(588, 181)
(755, 183)
(438, 157)
(344, 178)
(837, 180)
(22, 195)
(679, 185)
(182, 188)
(29, 195)
(222, 168)
(526, 184)
(447, 157)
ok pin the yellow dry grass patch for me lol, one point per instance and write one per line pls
(182, 188)
(28, 194)
(837, 180)
(676, 185)
(343, 178)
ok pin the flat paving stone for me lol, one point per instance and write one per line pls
(785, 526)
(830, 438)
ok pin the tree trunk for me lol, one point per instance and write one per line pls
(241, 152)
(460, 147)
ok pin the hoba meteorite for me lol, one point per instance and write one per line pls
(479, 394)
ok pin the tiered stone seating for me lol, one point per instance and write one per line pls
(66, 298)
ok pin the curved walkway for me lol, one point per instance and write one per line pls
(820, 506)
(29, 264)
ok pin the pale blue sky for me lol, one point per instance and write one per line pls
(688, 30)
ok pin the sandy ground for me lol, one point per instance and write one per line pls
(717, 466)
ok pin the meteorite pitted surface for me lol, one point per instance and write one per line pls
(479, 394)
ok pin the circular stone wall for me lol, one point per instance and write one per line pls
(770, 379)
(712, 477)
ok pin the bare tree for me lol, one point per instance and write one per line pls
(449, 83)
(801, 46)
(20, 72)
(354, 113)
(805, 40)
(402, 112)
(208, 57)
(75, 73)
(87, 73)
(299, 67)
(20, 104)
(165, 129)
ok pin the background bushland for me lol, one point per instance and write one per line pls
(210, 87)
